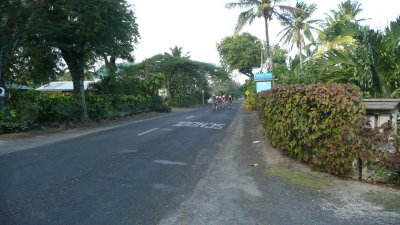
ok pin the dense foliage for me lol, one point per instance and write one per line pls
(328, 128)
(240, 52)
(31, 109)
(74, 32)
(316, 116)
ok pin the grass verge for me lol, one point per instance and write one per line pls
(390, 202)
(298, 178)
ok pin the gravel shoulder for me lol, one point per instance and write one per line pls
(249, 182)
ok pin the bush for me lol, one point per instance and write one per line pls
(157, 105)
(56, 109)
(313, 122)
(186, 100)
(250, 102)
(98, 107)
(32, 109)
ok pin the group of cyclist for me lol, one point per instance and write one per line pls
(219, 102)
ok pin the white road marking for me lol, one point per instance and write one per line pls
(216, 126)
(167, 162)
(147, 131)
(166, 129)
(189, 117)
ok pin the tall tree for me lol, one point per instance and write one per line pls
(347, 11)
(240, 52)
(266, 9)
(298, 26)
(82, 30)
(14, 17)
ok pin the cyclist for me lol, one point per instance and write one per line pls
(215, 102)
(230, 101)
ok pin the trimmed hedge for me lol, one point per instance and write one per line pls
(32, 109)
(314, 123)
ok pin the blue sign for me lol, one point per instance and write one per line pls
(263, 86)
(263, 76)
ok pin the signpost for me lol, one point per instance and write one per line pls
(202, 95)
(263, 81)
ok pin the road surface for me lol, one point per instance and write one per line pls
(188, 167)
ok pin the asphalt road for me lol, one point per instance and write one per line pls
(131, 174)
(187, 167)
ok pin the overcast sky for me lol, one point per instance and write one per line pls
(197, 26)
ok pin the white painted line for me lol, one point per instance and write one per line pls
(147, 131)
(189, 117)
(166, 129)
(167, 162)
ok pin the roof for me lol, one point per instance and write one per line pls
(18, 87)
(62, 86)
(382, 104)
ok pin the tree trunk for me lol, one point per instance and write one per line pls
(2, 69)
(301, 57)
(76, 65)
(269, 53)
(2, 78)
(168, 86)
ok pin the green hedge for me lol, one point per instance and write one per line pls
(314, 123)
(32, 109)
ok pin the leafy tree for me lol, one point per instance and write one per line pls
(371, 63)
(240, 52)
(24, 58)
(280, 67)
(180, 74)
(82, 30)
(298, 27)
(14, 17)
(256, 9)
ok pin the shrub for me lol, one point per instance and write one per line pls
(157, 105)
(312, 122)
(32, 109)
(98, 107)
(250, 102)
(56, 109)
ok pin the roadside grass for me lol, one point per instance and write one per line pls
(298, 178)
(390, 202)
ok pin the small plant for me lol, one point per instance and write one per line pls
(250, 102)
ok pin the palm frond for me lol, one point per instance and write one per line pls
(241, 4)
(244, 18)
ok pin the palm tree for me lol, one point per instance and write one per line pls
(256, 9)
(341, 26)
(298, 27)
(348, 11)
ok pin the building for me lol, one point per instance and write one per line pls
(63, 86)
(380, 111)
